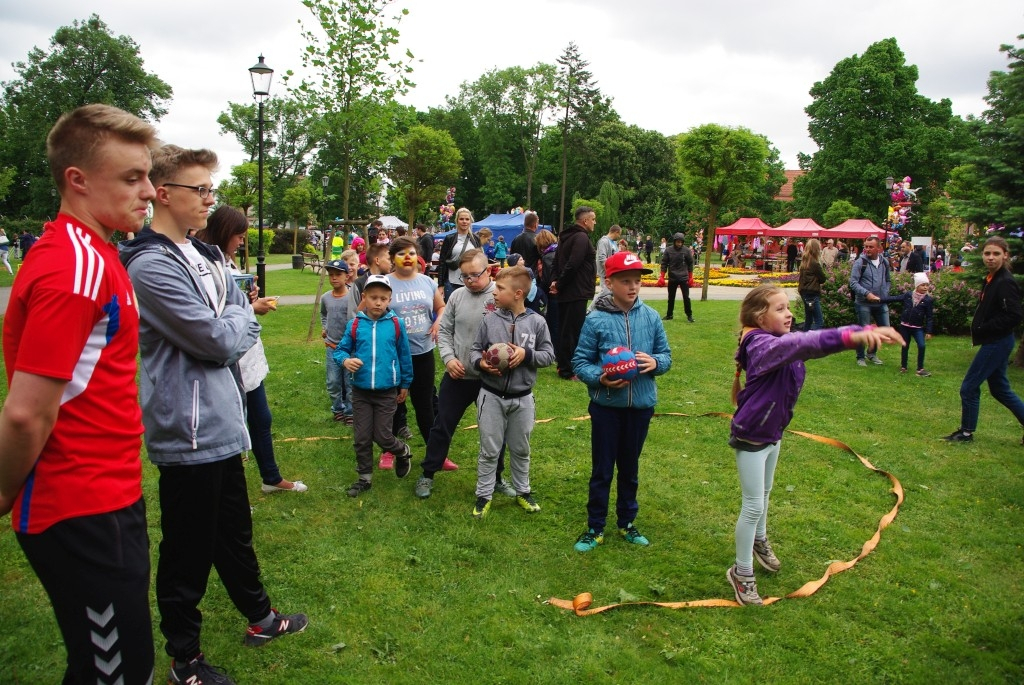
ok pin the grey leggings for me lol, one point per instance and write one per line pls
(757, 474)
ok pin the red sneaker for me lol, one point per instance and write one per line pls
(387, 460)
(449, 465)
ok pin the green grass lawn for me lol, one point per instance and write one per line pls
(400, 590)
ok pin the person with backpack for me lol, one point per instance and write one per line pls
(870, 281)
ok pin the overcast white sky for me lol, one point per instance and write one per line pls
(668, 65)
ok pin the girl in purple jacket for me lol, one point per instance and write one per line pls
(773, 359)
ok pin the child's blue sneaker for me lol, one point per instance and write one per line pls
(589, 540)
(632, 535)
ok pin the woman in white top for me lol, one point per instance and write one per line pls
(448, 275)
(227, 228)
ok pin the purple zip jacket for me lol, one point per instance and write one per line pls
(775, 374)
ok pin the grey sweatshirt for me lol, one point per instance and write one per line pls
(528, 330)
(460, 323)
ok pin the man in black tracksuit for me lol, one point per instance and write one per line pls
(573, 285)
(677, 264)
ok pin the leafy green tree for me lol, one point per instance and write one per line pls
(356, 78)
(6, 180)
(509, 107)
(839, 211)
(426, 163)
(580, 102)
(457, 120)
(296, 204)
(992, 187)
(869, 122)
(721, 167)
(85, 64)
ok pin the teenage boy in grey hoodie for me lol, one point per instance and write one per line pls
(195, 324)
(505, 406)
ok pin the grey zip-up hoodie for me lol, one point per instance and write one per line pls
(529, 330)
(460, 322)
(193, 407)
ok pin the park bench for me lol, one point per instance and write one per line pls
(313, 261)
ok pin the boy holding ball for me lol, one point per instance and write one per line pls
(505, 407)
(620, 409)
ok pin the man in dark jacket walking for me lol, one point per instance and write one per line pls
(573, 284)
(677, 264)
(525, 243)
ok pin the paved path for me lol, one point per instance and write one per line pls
(715, 292)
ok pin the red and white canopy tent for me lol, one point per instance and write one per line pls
(746, 226)
(803, 228)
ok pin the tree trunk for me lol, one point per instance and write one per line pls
(709, 241)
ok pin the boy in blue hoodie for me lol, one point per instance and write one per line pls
(376, 350)
(620, 410)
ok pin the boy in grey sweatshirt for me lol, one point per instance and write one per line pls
(505, 405)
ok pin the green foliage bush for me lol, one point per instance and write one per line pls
(956, 298)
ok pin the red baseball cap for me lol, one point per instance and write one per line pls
(624, 261)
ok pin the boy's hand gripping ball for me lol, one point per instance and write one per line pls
(619, 363)
(497, 356)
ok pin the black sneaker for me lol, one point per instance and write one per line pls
(198, 672)
(281, 625)
(359, 487)
(959, 435)
(403, 463)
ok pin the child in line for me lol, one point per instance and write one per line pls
(334, 307)
(773, 359)
(501, 251)
(376, 350)
(620, 410)
(916, 320)
(505, 405)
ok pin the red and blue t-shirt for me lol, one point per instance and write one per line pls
(72, 316)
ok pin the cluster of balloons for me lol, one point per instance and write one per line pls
(899, 216)
(902, 192)
(447, 210)
(903, 197)
(516, 210)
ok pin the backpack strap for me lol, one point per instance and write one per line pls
(355, 324)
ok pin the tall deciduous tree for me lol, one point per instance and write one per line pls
(510, 107)
(869, 122)
(296, 203)
(721, 167)
(579, 100)
(427, 162)
(85, 64)
(356, 78)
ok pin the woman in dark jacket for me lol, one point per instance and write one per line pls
(462, 240)
(809, 285)
(999, 313)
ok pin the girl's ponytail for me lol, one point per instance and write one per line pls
(736, 384)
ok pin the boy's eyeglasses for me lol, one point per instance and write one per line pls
(473, 277)
(203, 191)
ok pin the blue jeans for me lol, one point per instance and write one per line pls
(917, 334)
(989, 365)
(617, 437)
(866, 311)
(338, 385)
(813, 320)
(258, 417)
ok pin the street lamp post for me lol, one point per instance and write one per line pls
(544, 197)
(261, 76)
(324, 233)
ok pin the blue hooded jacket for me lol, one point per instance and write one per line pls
(383, 347)
(640, 330)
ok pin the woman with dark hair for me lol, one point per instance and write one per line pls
(999, 313)
(228, 229)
